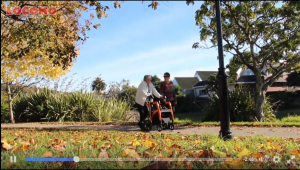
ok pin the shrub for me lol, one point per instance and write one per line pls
(4, 108)
(75, 106)
(241, 107)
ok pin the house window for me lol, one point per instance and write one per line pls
(249, 72)
(202, 92)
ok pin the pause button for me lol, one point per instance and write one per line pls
(13, 159)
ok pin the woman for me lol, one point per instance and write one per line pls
(167, 89)
(145, 89)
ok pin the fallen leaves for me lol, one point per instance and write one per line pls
(174, 148)
(244, 152)
(48, 154)
(25, 146)
(103, 153)
(5, 145)
(31, 140)
(131, 153)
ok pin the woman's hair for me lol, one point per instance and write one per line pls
(167, 74)
(147, 77)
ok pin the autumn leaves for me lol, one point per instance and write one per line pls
(145, 150)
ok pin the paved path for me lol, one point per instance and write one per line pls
(293, 132)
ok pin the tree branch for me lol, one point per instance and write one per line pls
(196, 45)
(238, 53)
(236, 22)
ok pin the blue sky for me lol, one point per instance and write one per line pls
(135, 40)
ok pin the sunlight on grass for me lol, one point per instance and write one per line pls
(293, 118)
(137, 145)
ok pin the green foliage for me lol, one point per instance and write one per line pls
(4, 108)
(75, 106)
(241, 107)
(156, 82)
(128, 94)
(184, 102)
(212, 83)
(293, 118)
(255, 33)
(98, 85)
(178, 91)
(290, 99)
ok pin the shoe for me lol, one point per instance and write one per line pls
(142, 126)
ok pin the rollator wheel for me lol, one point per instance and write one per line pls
(171, 126)
(148, 126)
(164, 125)
(159, 128)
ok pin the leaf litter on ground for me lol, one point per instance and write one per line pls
(174, 150)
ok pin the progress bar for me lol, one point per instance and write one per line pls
(49, 159)
(77, 159)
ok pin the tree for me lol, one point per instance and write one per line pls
(115, 88)
(212, 84)
(98, 85)
(259, 35)
(156, 82)
(44, 45)
(123, 91)
(12, 90)
(178, 92)
(293, 79)
(128, 93)
(53, 36)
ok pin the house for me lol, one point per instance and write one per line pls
(199, 88)
(204, 75)
(196, 85)
(248, 78)
(186, 84)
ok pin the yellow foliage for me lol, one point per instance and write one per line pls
(12, 69)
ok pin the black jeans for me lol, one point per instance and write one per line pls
(143, 110)
(173, 105)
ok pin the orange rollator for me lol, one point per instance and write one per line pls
(160, 115)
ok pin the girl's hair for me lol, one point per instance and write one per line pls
(147, 77)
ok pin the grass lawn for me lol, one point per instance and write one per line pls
(137, 145)
(194, 119)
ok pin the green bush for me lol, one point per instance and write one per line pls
(290, 99)
(185, 104)
(241, 107)
(4, 108)
(76, 106)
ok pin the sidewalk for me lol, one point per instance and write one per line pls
(293, 132)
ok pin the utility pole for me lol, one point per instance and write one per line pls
(225, 131)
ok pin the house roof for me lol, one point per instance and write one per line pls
(204, 75)
(186, 83)
(252, 78)
(245, 79)
(201, 83)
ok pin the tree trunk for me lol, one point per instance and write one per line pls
(12, 120)
(259, 104)
(260, 95)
